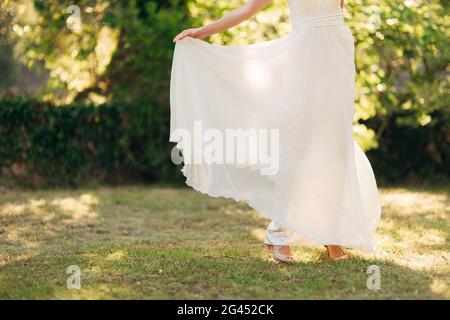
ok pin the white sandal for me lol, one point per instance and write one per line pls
(277, 255)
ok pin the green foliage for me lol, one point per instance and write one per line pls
(122, 56)
(402, 59)
(122, 50)
(140, 68)
(45, 145)
(402, 52)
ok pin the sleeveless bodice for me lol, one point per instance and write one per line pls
(315, 13)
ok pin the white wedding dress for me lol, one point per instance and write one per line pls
(324, 191)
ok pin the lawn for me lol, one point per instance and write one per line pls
(174, 243)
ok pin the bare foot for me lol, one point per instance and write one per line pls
(336, 253)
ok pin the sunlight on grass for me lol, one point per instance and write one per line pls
(406, 202)
(415, 228)
(116, 256)
(258, 233)
(440, 287)
(79, 208)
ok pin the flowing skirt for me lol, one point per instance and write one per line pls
(302, 84)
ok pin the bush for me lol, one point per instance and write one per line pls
(413, 153)
(45, 145)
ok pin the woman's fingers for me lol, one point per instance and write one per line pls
(188, 33)
(177, 37)
(181, 36)
(184, 35)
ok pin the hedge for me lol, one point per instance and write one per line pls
(413, 153)
(46, 145)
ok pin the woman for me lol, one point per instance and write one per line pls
(324, 191)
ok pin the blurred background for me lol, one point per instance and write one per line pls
(84, 91)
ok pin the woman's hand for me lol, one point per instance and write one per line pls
(231, 19)
(193, 33)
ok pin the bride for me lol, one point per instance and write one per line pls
(301, 85)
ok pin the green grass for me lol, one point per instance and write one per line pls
(169, 243)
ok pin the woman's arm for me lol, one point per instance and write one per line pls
(233, 18)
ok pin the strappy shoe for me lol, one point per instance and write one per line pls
(339, 258)
(277, 255)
